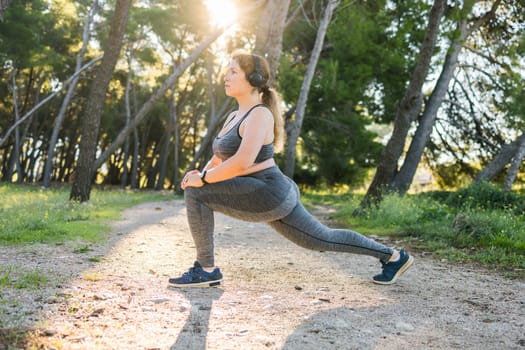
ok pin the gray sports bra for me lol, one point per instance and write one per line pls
(227, 145)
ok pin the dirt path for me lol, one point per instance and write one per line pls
(275, 296)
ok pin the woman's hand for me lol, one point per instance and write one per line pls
(192, 179)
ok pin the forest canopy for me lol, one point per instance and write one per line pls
(402, 91)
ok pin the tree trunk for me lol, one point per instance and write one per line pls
(407, 111)
(135, 162)
(67, 160)
(403, 179)
(164, 156)
(14, 164)
(125, 174)
(269, 36)
(86, 167)
(28, 154)
(499, 162)
(517, 161)
(48, 168)
(168, 83)
(176, 140)
(294, 128)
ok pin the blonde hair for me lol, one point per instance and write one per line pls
(269, 96)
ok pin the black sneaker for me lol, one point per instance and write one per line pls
(197, 277)
(394, 269)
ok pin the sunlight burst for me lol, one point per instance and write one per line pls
(222, 12)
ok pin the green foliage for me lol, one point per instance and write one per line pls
(360, 78)
(31, 215)
(406, 216)
(21, 278)
(486, 195)
(495, 228)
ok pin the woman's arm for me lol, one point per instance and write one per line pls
(212, 163)
(257, 131)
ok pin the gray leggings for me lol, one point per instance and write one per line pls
(268, 196)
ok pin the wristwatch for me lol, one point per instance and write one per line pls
(203, 177)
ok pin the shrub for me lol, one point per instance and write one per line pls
(483, 228)
(485, 195)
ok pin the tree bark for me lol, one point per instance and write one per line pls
(14, 164)
(176, 141)
(168, 83)
(48, 168)
(163, 156)
(407, 111)
(517, 161)
(27, 159)
(499, 162)
(269, 36)
(403, 179)
(86, 167)
(125, 173)
(294, 128)
(134, 182)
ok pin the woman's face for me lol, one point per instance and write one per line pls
(235, 83)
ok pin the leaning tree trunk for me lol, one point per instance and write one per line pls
(269, 35)
(403, 179)
(48, 168)
(294, 128)
(500, 161)
(86, 167)
(407, 111)
(146, 107)
(517, 161)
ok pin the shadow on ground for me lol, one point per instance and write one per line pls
(194, 332)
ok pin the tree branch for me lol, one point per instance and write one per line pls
(44, 101)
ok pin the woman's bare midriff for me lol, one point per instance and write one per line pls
(268, 163)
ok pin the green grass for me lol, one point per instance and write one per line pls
(30, 214)
(21, 278)
(490, 228)
(484, 232)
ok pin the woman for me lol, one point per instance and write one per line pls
(242, 180)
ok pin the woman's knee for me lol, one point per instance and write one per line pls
(191, 194)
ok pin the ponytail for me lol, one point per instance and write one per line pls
(272, 99)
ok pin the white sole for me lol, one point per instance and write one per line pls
(209, 284)
(401, 271)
